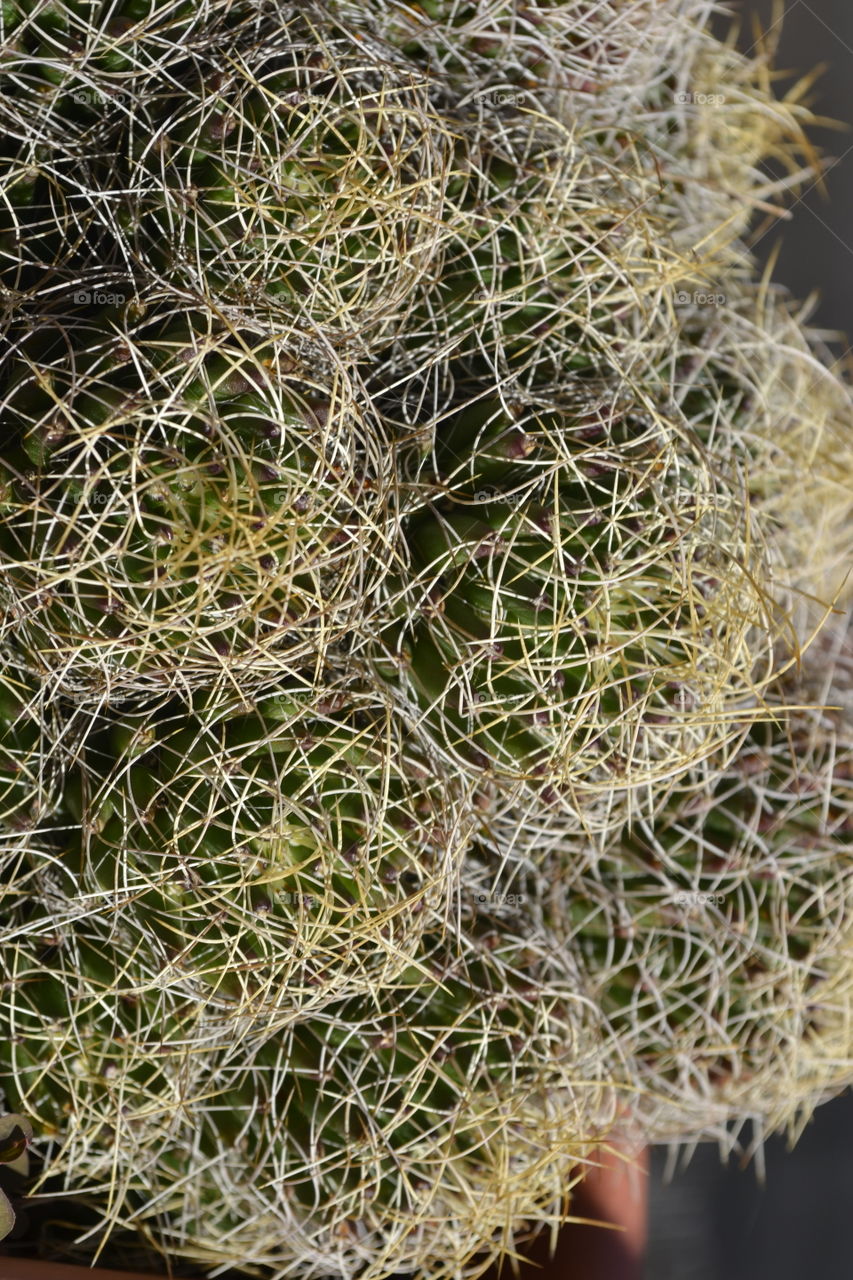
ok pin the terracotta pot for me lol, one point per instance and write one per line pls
(29, 1269)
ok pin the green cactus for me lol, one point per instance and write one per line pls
(714, 938)
(270, 855)
(416, 725)
(584, 609)
(302, 173)
(410, 1131)
(36, 746)
(184, 499)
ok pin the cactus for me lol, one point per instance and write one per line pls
(414, 1130)
(588, 614)
(37, 742)
(417, 715)
(70, 66)
(315, 170)
(184, 499)
(715, 939)
(267, 856)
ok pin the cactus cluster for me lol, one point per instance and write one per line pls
(426, 693)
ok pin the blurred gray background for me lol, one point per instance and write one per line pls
(714, 1221)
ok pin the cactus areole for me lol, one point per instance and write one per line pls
(426, 697)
